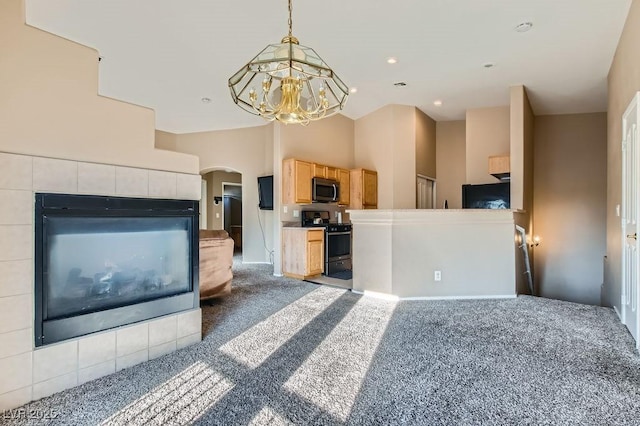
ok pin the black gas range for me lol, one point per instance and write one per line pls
(337, 241)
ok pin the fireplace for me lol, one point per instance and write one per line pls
(104, 262)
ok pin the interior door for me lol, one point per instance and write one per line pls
(630, 252)
(426, 192)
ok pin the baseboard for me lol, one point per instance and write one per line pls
(615, 308)
(490, 296)
(386, 296)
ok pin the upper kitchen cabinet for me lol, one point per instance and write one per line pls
(344, 178)
(364, 189)
(296, 181)
(500, 166)
(319, 171)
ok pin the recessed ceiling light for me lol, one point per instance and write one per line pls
(353, 90)
(392, 60)
(206, 100)
(524, 27)
(400, 84)
(489, 65)
(437, 103)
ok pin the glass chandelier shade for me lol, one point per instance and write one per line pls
(289, 83)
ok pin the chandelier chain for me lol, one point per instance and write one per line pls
(290, 21)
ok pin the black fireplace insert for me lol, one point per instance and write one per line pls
(104, 262)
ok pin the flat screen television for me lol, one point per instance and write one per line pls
(265, 192)
(487, 196)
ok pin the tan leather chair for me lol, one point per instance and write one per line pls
(216, 260)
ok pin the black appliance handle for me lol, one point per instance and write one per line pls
(339, 233)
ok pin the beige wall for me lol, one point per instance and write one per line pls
(248, 151)
(521, 142)
(50, 107)
(385, 141)
(570, 199)
(328, 141)
(450, 162)
(624, 81)
(425, 144)
(397, 252)
(487, 134)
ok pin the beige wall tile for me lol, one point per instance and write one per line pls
(15, 313)
(15, 399)
(96, 179)
(16, 342)
(16, 242)
(163, 349)
(190, 323)
(57, 384)
(162, 184)
(132, 339)
(96, 349)
(54, 360)
(16, 372)
(192, 339)
(55, 175)
(132, 182)
(96, 371)
(163, 330)
(16, 171)
(16, 277)
(16, 207)
(132, 359)
(189, 187)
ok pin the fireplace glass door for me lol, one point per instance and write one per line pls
(95, 264)
(106, 262)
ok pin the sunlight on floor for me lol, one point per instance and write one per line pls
(255, 345)
(182, 399)
(332, 375)
(268, 416)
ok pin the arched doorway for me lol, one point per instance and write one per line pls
(222, 202)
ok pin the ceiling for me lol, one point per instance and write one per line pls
(169, 54)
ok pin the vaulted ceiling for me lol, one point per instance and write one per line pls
(168, 54)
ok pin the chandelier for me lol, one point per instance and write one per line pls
(295, 84)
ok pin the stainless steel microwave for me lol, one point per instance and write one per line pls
(325, 190)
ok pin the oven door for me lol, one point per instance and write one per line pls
(338, 246)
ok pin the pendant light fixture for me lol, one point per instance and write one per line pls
(289, 83)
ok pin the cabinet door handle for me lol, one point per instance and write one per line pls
(634, 236)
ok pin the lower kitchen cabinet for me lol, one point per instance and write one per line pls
(302, 252)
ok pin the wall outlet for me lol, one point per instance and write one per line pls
(296, 213)
(285, 209)
(437, 275)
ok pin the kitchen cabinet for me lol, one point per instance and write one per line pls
(302, 252)
(296, 181)
(331, 173)
(500, 166)
(344, 178)
(364, 189)
(319, 171)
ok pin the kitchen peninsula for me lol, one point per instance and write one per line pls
(435, 253)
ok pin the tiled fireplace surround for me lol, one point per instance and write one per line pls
(27, 373)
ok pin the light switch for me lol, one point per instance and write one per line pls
(296, 213)
(217, 215)
(285, 209)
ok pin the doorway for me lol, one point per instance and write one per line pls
(630, 218)
(232, 212)
(426, 192)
